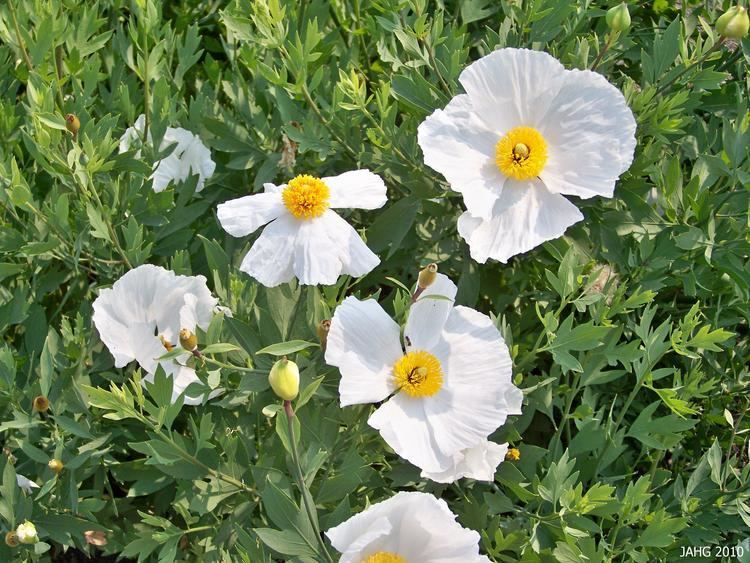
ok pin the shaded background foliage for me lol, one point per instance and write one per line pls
(629, 334)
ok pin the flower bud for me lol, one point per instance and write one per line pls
(322, 330)
(26, 533)
(284, 379)
(734, 23)
(55, 465)
(11, 540)
(72, 123)
(95, 537)
(188, 340)
(618, 18)
(513, 454)
(40, 404)
(427, 276)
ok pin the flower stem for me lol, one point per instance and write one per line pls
(289, 410)
(610, 40)
(21, 44)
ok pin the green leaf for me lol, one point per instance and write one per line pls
(287, 348)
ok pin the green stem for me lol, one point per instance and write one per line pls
(146, 89)
(610, 41)
(301, 480)
(21, 44)
(225, 365)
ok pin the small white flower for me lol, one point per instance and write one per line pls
(409, 527)
(141, 316)
(527, 133)
(189, 156)
(27, 485)
(26, 533)
(305, 238)
(448, 392)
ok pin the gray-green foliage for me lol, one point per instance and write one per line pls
(629, 334)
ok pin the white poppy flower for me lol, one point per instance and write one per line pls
(26, 485)
(140, 319)
(448, 392)
(526, 133)
(409, 527)
(304, 237)
(189, 156)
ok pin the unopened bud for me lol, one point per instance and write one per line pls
(40, 404)
(56, 465)
(323, 328)
(188, 340)
(11, 540)
(72, 123)
(26, 533)
(734, 24)
(427, 276)
(284, 379)
(513, 454)
(618, 18)
(95, 537)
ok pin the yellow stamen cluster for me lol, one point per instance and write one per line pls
(384, 557)
(522, 153)
(418, 374)
(306, 197)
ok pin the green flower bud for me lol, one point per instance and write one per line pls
(734, 23)
(26, 533)
(72, 123)
(427, 276)
(618, 18)
(284, 379)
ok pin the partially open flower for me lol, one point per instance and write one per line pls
(26, 533)
(40, 404)
(284, 379)
(56, 465)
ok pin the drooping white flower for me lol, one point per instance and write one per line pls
(25, 484)
(526, 133)
(189, 156)
(304, 237)
(448, 392)
(141, 316)
(409, 527)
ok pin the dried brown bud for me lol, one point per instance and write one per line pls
(11, 540)
(322, 330)
(188, 340)
(427, 276)
(95, 537)
(40, 404)
(72, 124)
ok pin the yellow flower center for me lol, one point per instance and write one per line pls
(521, 153)
(418, 374)
(384, 557)
(306, 197)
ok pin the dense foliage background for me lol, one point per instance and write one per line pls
(629, 334)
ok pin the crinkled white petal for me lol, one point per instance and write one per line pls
(197, 160)
(328, 247)
(360, 189)
(526, 215)
(512, 87)
(27, 485)
(407, 429)
(459, 145)
(422, 529)
(428, 314)
(363, 342)
(242, 216)
(590, 133)
(132, 134)
(271, 258)
(477, 394)
(478, 462)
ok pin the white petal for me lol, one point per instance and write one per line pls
(427, 316)
(357, 189)
(459, 145)
(478, 462)
(512, 87)
(590, 132)
(328, 247)
(197, 159)
(242, 216)
(363, 342)
(132, 134)
(27, 485)
(354, 541)
(526, 215)
(406, 428)
(271, 258)
(478, 393)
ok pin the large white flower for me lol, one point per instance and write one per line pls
(407, 528)
(305, 238)
(527, 132)
(448, 392)
(141, 316)
(189, 156)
